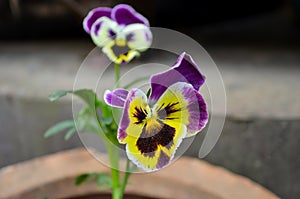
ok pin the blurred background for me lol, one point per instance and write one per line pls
(255, 44)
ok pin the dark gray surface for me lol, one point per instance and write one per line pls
(23, 123)
(265, 150)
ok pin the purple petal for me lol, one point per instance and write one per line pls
(125, 15)
(116, 98)
(198, 115)
(184, 70)
(125, 120)
(97, 27)
(163, 160)
(181, 103)
(93, 15)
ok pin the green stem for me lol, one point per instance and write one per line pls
(113, 152)
(114, 158)
(126, 176)
(117, 75)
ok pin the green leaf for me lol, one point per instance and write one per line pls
(59, 127)
(105, 109)
(148, 92)
(106, 113)
(106, 121)
(103, 180)
(70, 133)
(58, 94)
(82, 178)
(84, 120)
(88, 96)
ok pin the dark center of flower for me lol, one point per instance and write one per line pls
(154, 134)
(120, 50)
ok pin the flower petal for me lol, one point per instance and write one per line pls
(138, 36)
(150, 143)
(125, 58)
(133, 115)
(121, 58)
(197, 110)
(94, 15)
(155, 152)
(125, 15)
(184, 70)
(181, 103)
(152, 137)
(116, 98)
(103, 31)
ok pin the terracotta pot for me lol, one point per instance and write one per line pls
(53, 176)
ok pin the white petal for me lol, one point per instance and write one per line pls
(102, 35)
(140, 36)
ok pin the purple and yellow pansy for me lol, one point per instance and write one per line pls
(153, 128)
(121, 32)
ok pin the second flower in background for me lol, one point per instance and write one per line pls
(121, 32)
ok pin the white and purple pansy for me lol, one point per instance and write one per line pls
(121, 32)
(153, 128)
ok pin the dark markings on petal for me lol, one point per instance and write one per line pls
(149, 141)
(120, 50)
(129, 37)
(161, 112)
(140, 115)
(170, 145)
(163, 160)
(112, 34)
(171, 118)
(150, 154)
(164, 112)
(96, 29)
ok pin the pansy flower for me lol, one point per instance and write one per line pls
(121, 32)
(153, 128)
